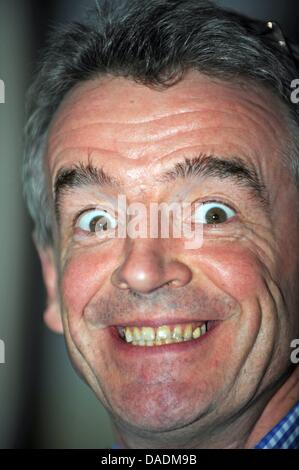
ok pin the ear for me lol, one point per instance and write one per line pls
(52, 314)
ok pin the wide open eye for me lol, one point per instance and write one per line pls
(213, 213)
(96, 221)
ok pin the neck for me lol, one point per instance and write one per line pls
(243, 432)
(277, 407)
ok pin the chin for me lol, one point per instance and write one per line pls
(159, 408)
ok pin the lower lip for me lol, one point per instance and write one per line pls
(128, 349)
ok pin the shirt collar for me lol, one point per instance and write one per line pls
(285, 435)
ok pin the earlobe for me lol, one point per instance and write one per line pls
(52, 315)
(52, 318)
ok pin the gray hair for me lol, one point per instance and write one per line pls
(153, 43)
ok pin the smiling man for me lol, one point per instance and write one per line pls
(172, 101)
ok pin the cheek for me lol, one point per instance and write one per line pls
(82, 277)
(234, 270)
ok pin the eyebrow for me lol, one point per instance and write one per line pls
(233, 168)
(78, 176)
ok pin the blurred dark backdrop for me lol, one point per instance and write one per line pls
(43, 404)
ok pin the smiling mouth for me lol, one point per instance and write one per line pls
(164, 334)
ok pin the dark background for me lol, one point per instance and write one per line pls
(43, 404)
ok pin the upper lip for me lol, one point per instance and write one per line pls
(154, 323)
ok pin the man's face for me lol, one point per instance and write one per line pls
(241, 280)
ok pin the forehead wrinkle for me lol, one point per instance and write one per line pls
(237, 108)
(83, 92)
(135, 148)
(189, 121)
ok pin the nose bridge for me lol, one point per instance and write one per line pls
(148, 265)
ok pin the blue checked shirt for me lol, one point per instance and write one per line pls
(285, 435)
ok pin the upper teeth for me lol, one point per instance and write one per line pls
(165, 334)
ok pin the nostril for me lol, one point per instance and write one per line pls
(118, 281)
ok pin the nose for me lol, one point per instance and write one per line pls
(147, 267)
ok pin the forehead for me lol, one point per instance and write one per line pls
(117, 119)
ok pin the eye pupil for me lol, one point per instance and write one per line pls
(99, 223)
(216, 215)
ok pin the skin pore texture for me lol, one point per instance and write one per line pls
(231, 387)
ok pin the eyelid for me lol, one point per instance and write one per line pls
(83, 221)
(213, 202)
(81, 212)
(218, 201)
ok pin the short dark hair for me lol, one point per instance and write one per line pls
(152, 42)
